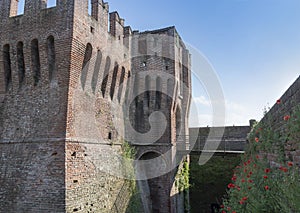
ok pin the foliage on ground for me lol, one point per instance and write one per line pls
(267, 180)
(208, 182)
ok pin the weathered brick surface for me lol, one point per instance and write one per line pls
(32, 161)
(32, 177)
(60, 136)
(233, 139)
(275, 117)
(160, 60)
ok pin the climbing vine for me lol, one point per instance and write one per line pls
(183, 184)
(128, 154)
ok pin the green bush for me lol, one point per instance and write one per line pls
(258, 186)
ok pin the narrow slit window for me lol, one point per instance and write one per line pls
(21, 63)
(158, 93)
(148, 86)
(105, 76)
(35, 61)
(114, 81)
(86, 63)
(122, 78)
(170, 90)
(136, 88)
(7, 66)
(51, 58)
(128, 86)
(96, 71)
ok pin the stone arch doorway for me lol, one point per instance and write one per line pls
(152, 189)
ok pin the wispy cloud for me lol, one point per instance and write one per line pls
(202, 113)
(202, 100)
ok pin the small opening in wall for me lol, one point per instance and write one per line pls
(75, 181)
(144, 64)
(51, 57)
(109, 135)
(105, 76)
(35, 61)
(167, 67)
(21, 63)
(74, 154)
(54, 153)
(75, 210)
(92, 30)
(7, 66)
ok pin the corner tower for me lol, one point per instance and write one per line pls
(35, 63)
(53, 62)
(160, 102)
(65, 74)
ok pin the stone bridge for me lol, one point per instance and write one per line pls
(232, 141)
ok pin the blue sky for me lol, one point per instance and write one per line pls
(253, 45)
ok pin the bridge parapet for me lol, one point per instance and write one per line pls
(233, 141)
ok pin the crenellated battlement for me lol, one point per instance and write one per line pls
(30, 10)
(60, 21)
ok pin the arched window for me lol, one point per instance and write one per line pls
(20, 62)
(51, 58)
(121, 84)
(7, 66)
(35, 61)
(85, 64)
(147, 88)
(114, 81)
(105, 76)
(96, 71)
(158, 93)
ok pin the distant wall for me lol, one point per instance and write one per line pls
(234, 137)
(288, 101)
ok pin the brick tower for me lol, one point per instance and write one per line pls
(65, 75)
(162, 83)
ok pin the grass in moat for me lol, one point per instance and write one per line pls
(209, 182)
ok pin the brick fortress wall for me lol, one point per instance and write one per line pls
(64, 77)
(33, 94)
(275, 117)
